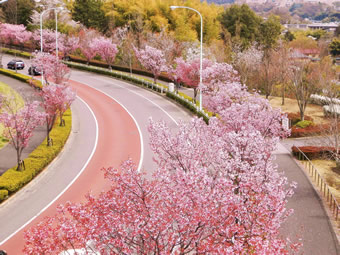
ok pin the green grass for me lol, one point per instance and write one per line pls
(6, 90)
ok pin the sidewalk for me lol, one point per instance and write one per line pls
(8, 157)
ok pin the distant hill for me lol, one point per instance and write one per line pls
(221, 1)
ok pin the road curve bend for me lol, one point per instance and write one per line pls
(118, 139)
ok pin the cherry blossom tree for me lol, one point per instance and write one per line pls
(69, 44)
(189, 72)
(49, 40)
(106, 49)
(19, 124)
(87, 47)
(56, 98)
(14, 34)
(219, 73)
(215, 191)
(66, 96)
(247, 62)
(152, 59)
(54, 70)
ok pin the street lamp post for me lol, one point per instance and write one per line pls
(56, 34)
(201, 53)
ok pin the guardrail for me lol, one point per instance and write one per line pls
(320, 183)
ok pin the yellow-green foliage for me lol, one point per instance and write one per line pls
(3, 194)
(12, 180)
(21, 77)
(17, 53)
(6, 90)
(155, 15)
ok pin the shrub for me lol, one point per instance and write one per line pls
(308, 131)
(313, 152)
(12, 180)
(21, 77)
(295, 118)
(3, 194)
(17, 53)
(187, 104)
(304, 123)
(77, 59)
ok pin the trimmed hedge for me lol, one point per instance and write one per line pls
(308, 131)
(12, 180)
(21, 77)
(187, 104)
(17, 53)
(182, 98)
(3, 194)
(314, 152)
(77, 59)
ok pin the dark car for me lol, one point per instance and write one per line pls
(33, 70)
(16, 64)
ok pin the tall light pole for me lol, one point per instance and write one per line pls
(56, 34)
(56, 27)
(201, 54)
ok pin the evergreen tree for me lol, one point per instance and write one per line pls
(242, 22)
(18, 11)
(335, 47)
(90, 14)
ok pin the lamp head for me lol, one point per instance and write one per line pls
(172, 7)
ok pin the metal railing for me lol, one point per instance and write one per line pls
(320, 183)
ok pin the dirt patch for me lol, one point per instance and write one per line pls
(331, 177)
(314, 111)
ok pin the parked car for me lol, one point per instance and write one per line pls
(33, 70)
(16, 64)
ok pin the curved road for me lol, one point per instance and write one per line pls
(118, 139)
(309, 221)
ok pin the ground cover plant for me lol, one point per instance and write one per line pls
(6, 90)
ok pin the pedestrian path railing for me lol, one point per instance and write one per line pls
(320, 183)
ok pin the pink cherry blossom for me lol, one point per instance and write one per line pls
(19, 124)
(189, 72)
(152, 59)
(13, 34)
(49, 40)
(56, 98)
(106, 49)
(54, 70)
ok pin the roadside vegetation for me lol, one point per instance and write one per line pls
(247, 62)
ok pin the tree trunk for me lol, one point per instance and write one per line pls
(302, 115)
(283, 95)
(195, 95)
(130, 65)
(19, 167)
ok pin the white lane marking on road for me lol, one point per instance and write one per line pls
(152, 102)
(138, 127)
(74, 179)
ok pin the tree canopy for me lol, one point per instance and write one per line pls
(90, 13)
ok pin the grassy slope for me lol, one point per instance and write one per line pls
(6, 90)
